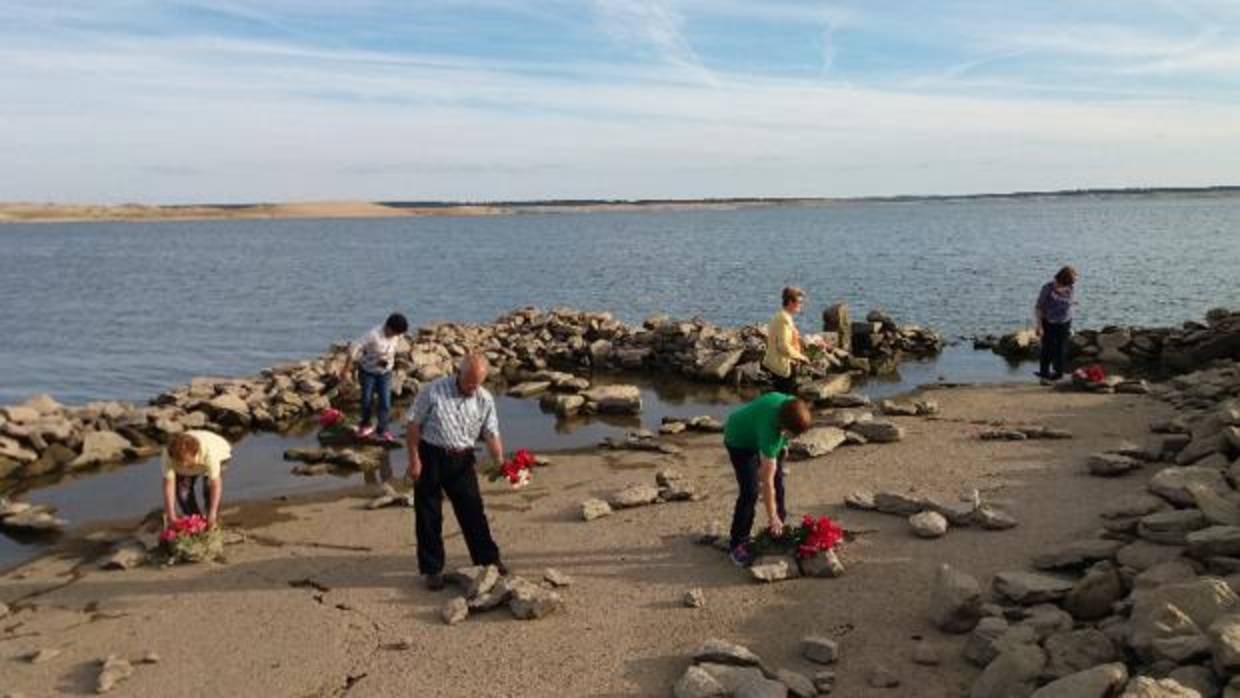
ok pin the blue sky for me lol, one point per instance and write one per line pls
(248, 100)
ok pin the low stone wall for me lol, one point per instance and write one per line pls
(1170, 350)
(526, 347)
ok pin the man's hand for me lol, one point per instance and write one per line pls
(776, 527)
(415, 469)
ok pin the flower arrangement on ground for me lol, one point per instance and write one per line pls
(191, 539)
(518, 470)
(812, 537)
(334, 428)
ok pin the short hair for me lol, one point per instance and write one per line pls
(792, 294)
(396, 323)
(182, 448)
(473, 361)
(794, 416)
(1066, 276)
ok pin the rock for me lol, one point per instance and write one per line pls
(721, 364)
(863, 501)
(1028, 588)
(1146, 687)
(229, 410)
(695, 598)
(898, 504)
(1077, 650)
(499, 594)
(716, 651)
(530, 602)
(99, 447)
(982, 645)
(745, 681)
(1203, 601)
(616, 399)
(1077, 554)
(821, 650)
(1224, 634)
(1140, 555)
(955, 601)
(310, 470)
(821, 392)
(1170, 572)
(112, 671)
(150, 658)
(1012, 673)
(849, 401)
(635, 496)
(557, 578)
(669, 428)
(1214, 541)
(455, 610)
(1099, 682)
(773, 568)
(706, 424)
(815, 443)
(44, 655)
(882, 677)
(926, 655)
(992, 519)
(928, 524)
(696, 682)
(125, 557)
(1173, 484)
(879, 431)
(592, 509)
(11, 450)
(891, 408)
(1196, 678)
(529, 389)
(824, 681)
(1111, 464)
(824, 565)
(799, 686)
(1218, 506)
(1003, 434)
(561, 404)
(1093, 596)
(1175, 638)
(1171, 527)
(34, 520)
(1133, 506)
(481, 581)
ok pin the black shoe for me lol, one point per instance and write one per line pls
(503, 569)
(435, 581)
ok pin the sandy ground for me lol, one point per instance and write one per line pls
(62, 213)
(243, 628)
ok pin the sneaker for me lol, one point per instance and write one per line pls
(387, 438)
(435, 581)
(740, 556)
(364, 431)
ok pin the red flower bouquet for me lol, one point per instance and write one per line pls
(812, 537)
(191, 539)
(335, 428)
(518, 470)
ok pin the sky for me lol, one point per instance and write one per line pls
(215, 101)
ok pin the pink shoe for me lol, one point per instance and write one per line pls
(387, 438)
(363, 432)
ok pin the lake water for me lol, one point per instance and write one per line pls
(124, 311)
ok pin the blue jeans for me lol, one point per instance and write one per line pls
(746, 463)
(372, 383)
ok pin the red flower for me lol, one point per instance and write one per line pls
(185, 526)
(820, 535)
(330, 417)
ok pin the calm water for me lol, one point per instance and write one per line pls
(91, 311)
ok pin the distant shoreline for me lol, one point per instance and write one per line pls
(21, 212)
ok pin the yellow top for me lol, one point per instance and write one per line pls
(213, 450)
(783, 344)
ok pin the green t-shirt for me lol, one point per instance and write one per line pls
(756, 425)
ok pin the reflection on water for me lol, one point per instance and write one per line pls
(258, 469)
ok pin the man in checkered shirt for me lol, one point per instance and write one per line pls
(448, 417)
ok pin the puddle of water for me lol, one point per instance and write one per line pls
(258, 470)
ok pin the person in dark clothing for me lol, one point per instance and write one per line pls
(1053, 316)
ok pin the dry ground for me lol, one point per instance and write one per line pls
(241, 628)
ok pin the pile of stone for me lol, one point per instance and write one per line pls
(843, 427)
(929, 517)
(670, 486)
(1169, 349)
(776, 568)
(722, 669)
(26, 518)
(639, 440)
(320, 461)
(877, 345)
(704, 424)
(483, 588)
(1000, 431)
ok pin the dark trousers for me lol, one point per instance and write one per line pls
(1055, 347)
(187, 500)
(372, 383)
(785, 384)
(451, 473)
(746, 464)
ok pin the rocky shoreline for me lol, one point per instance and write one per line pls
(553, 355)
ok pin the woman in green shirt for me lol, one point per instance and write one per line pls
(754, 435)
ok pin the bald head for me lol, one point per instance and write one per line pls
(471, 373)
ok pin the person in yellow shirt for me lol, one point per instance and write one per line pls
(783, 343)
(189, 456)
